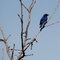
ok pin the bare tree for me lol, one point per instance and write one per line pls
(24, 34)
(24, 43)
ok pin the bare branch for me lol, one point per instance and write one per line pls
(7, 47)
(2, 40)
(8, 51)
(2, 53)
(21, 57)
(29, 55)
(21, 27)
(24, 45)
(52, 24)
(8, 37)
(3, 35)
(32, 5)
(19, 17)
(2, 32)
(15, 49)
(12, 53)
(29, 16)
(46, 26)
(30, 43)
(25, 7)
(55, 9)
(25, 56)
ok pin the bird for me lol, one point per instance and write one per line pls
(43, 21)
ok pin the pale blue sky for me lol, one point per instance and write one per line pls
(48, 46)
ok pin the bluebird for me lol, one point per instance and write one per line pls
(43, 21)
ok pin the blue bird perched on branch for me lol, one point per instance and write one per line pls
(43, 21)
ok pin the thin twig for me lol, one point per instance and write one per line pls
(46, 26)
(15, 49)
(29, 55)
(52, 24)
(54, 11)
(2, 32)
(25, 7)
(8, 51)
(13, 52)
(2, 53)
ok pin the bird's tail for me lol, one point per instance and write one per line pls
(42, 28)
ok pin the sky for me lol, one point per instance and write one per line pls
(48, 46)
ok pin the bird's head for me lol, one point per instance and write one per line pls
(46, 14)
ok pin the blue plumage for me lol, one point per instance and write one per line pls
(43, 21)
